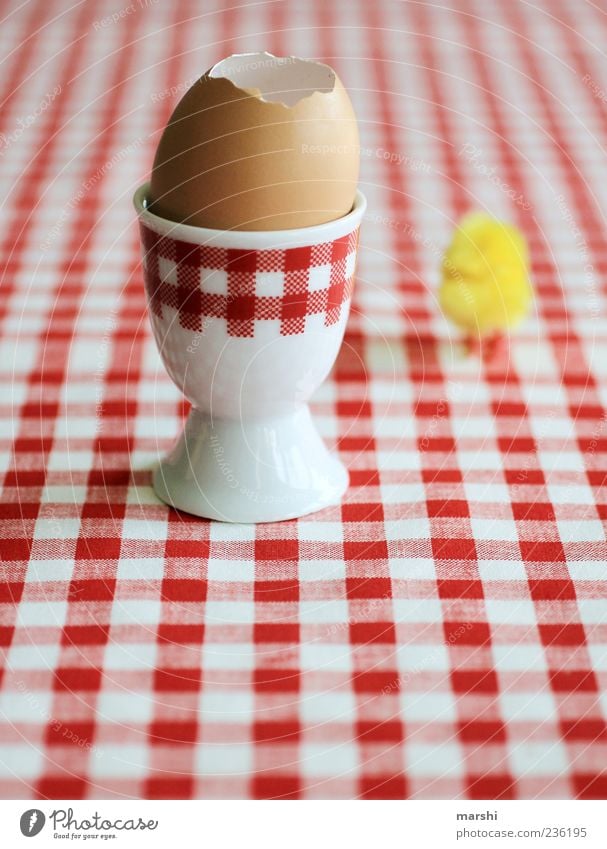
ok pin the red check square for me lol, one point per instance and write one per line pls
(297, 259)
(241, 308)
(293, 306)
(244, 261)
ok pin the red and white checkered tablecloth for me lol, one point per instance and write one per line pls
(443, 633)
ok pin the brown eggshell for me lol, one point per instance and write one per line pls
(231, 157)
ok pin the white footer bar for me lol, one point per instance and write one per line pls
(305, 825)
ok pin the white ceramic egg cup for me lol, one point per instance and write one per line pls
(248, 325)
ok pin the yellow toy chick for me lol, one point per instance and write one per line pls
(485, 276)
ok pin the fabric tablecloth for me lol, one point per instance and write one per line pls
(443, 632)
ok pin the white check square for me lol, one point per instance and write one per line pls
(214, 281)
(119, 760)
(327, 760)
(167, 270)
(226, 705)
(33, 657)
(224, 759)
(125, 707)
(130, 655)
(326, 656)
(494, 529)
(41, 614)
(538, 758)
(320, 277)
(22, 760)
(269, 284)
(435, 759)
(135, 611)
(328, 707)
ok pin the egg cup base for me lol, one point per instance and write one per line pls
(250, 471)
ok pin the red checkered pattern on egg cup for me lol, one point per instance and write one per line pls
(244, 286)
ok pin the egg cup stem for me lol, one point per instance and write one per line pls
(250, 471)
